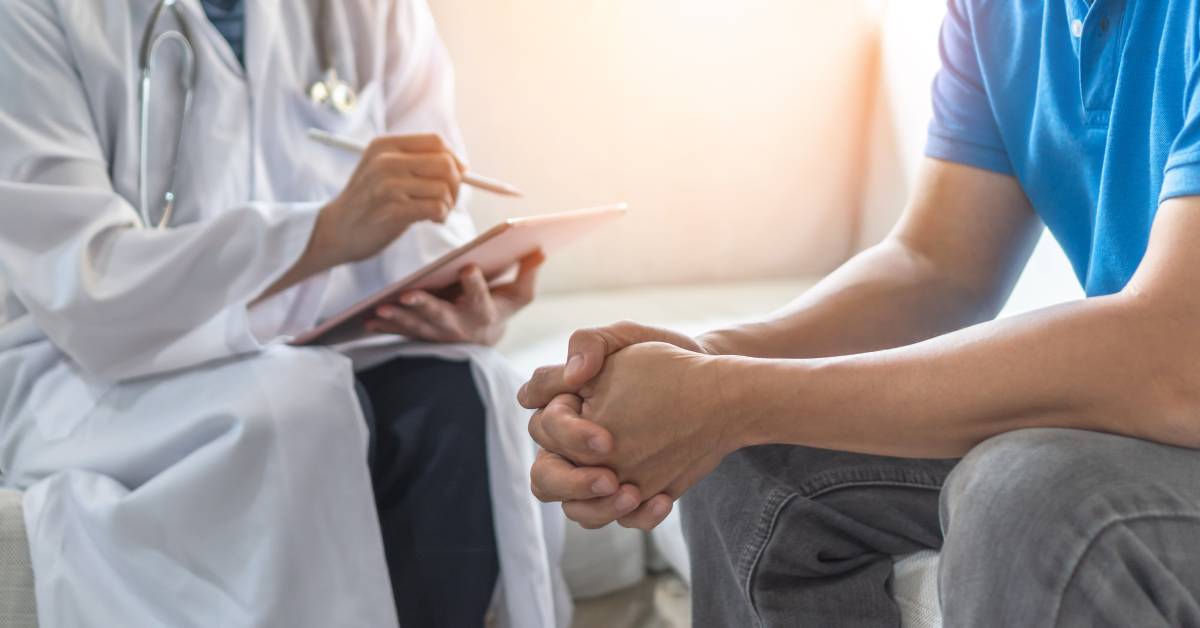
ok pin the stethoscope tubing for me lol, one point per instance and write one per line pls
(341, 97)
(147, 55)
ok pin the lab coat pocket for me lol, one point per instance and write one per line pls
(63, 398)
(324, 169)
(362, 123)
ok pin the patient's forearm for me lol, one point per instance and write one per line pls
(1113, 364)
(887, 296)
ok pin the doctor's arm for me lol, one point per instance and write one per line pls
(419, 90)
(120, 300)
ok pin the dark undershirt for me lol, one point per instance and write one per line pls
(229, 16)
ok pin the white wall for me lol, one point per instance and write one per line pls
(910, 60)
(733, 127)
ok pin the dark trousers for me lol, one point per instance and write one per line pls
(428, 463)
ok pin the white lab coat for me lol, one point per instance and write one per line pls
(184, 467)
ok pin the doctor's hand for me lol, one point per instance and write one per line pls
(400, 181)
(653, 420)
(478, 315)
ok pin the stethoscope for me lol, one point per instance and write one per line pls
(329, 90)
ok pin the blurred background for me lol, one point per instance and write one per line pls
(719, 122)
(759, 143)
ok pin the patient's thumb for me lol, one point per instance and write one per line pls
(575, 367)
(585, 356)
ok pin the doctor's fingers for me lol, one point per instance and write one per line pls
(415, 143)
(559, 428)
(394, 320)
(403, 212)
(432, 166)
(556, 479)
(476, 295)
(439, 166)
(409, 186)
(437, 311)
(520, 292)
(601, 511)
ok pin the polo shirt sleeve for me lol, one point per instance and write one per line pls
(963, 129)
(1182, 175)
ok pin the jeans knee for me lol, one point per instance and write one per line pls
(1022, 474)
(1021, 510)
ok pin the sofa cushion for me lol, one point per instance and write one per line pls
(17, 602)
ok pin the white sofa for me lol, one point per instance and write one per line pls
(17, 608)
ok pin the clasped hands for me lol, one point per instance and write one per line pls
(633, 419)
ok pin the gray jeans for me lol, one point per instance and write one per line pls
(1043, 527)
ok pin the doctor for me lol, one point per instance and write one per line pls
(182, 465)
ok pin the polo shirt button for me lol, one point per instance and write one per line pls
(1104, 24)
(1077, 28)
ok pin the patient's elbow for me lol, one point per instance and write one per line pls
(1170, 373)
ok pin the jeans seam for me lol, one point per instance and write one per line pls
(892, 483)
(775, 503)
(778, 499)
(839, 479)
(1091, 542)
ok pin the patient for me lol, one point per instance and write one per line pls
(1049, 456)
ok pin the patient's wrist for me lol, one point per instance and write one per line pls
(715, 343)
(766, 401)
(737, 400)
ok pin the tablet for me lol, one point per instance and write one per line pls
(495, 251)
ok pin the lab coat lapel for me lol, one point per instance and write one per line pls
(262, 33)
(204, 34)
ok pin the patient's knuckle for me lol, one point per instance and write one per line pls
(582, 335)
(583, 518)
(541, 375)
(625, 325)
(557, 419)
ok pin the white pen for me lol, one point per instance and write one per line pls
(470, 178)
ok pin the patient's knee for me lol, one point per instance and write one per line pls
(1035, 473)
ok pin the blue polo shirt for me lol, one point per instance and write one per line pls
(1092, 106)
